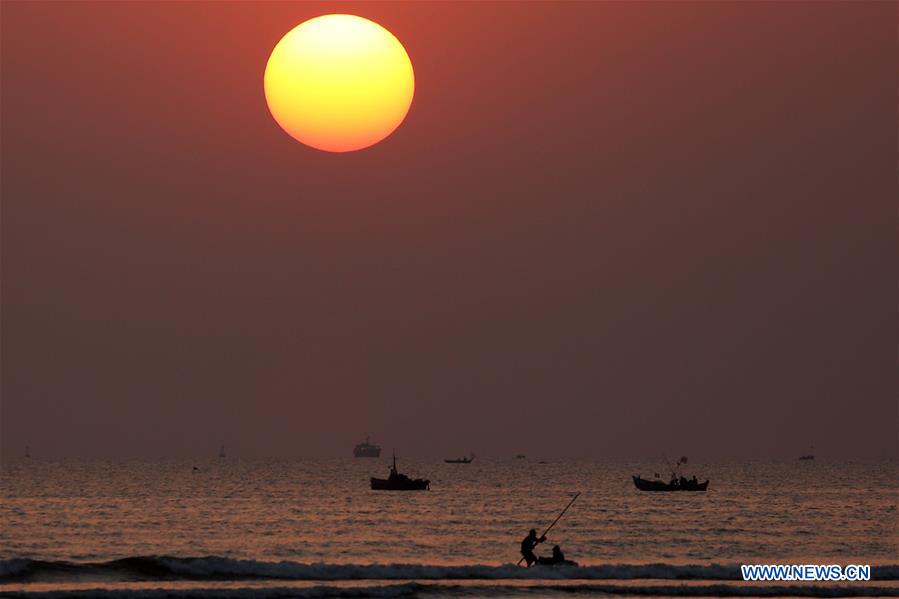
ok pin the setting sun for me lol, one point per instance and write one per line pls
(339, 83)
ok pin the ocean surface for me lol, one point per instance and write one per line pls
(312, 528)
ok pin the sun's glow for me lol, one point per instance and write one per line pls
(339, 83)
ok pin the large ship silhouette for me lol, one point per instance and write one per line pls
(367, 450)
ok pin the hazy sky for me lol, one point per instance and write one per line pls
(604, 230)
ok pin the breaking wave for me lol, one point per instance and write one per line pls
(221, 568)
(413, 590)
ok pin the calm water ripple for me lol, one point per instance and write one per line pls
(323, 511)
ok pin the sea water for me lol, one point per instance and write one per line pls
(313, 528)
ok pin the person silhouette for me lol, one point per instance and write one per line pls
(527, 547)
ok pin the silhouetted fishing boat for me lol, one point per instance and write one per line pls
(678, 481)
(675, 485)
(463, 460)
(367, 450)
(810, 455)
(399, 482)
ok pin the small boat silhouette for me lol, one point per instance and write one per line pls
(462, 460)
(399, 482)
(678, 481)
(675, 485)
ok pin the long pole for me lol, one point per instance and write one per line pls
(559, 517)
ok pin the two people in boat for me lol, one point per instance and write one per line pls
(527, 551)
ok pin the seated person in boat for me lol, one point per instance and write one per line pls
(527, 547)
(557, 557)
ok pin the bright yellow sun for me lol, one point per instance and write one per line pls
(339, 83)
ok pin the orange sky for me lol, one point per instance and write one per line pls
(600, 223)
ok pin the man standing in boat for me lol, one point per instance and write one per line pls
(527, 547)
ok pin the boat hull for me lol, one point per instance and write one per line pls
(412, 484)
(367, 452)
(566, 563)
(657, 485)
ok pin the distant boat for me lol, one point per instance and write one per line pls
(399, 482)
(222, 451)
(678, 481)
(27, 452)
(462, 460)
(367, 450)
(810, 455)
(520, 456)
(675, 485)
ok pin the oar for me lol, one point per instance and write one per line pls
(559, 517)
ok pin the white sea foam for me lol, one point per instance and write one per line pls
(449, 590)
(221, 568)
